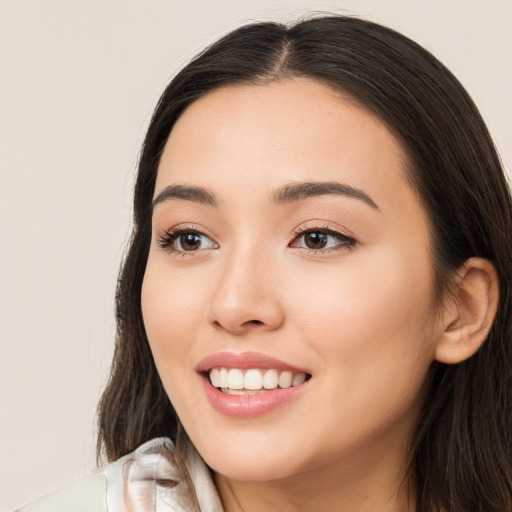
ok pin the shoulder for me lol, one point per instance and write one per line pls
(153, 477)
(84, 496)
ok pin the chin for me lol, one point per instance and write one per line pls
(253, 458)
(254, 470)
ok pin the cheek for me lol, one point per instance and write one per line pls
(371, 333)
(387, 296)
(171, 309)
(170, 312)
(371, 326)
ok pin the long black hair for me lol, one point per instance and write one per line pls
(461, 453)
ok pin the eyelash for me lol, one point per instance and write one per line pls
(344, 242)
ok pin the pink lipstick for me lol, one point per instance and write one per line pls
(250, 384)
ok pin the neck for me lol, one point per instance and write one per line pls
(358, 486)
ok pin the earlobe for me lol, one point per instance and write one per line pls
(470, 311)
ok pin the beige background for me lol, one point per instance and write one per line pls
(78, 81)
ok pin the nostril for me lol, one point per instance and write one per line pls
(241, 327)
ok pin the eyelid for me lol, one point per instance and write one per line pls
(322, 225)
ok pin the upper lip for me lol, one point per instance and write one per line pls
(245, 360)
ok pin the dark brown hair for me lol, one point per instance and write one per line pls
(461, 455)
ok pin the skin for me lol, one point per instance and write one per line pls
(360, 316)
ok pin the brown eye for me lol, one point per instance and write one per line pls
(322, 240)
(315, 240)
(189, 241)
(185, 240)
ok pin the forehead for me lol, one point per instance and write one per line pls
(299, 129)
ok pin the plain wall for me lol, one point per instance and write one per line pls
(78, 81)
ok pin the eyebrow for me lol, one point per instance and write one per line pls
(298, 191)
(286, 194)
(186, 193)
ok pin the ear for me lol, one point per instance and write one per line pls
(469, 312)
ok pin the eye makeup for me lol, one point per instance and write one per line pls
(321, 239)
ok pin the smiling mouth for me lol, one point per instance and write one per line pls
(251, 381)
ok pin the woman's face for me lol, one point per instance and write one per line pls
(288, 243)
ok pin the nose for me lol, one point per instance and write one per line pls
(246, 296)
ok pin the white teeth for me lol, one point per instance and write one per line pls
(214, 377)
(223, 378)
(270, 379)
(237, 381)
(299, 378)
(253, 379)
(285, 380)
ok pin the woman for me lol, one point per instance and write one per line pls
(316, 294)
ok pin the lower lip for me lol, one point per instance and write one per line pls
(250, 406)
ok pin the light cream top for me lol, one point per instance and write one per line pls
(153, 478)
